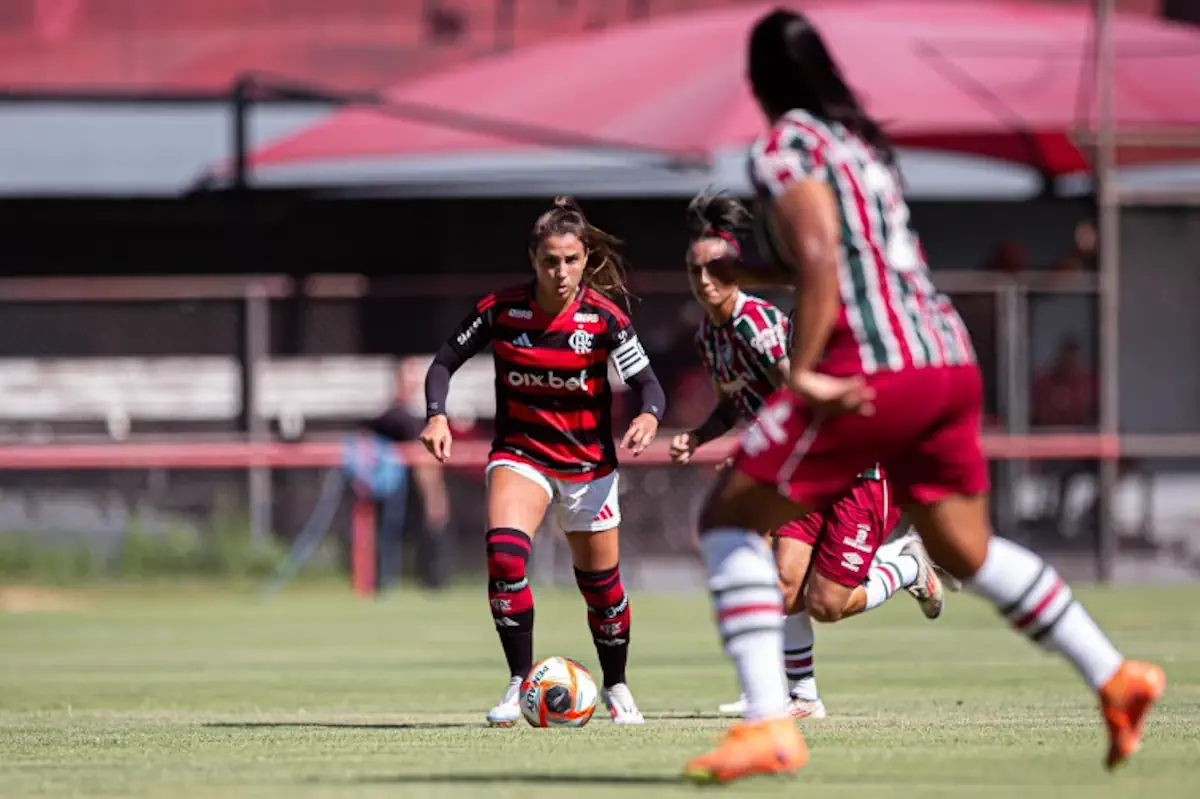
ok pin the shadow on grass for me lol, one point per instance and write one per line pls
(342, 725)
(518, 778)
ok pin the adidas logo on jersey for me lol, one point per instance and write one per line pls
(522, 341)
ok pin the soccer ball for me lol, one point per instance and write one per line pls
(558, 692)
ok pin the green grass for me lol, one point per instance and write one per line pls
(201, 692)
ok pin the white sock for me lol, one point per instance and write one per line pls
(749, 610)
(891, 549)
(798, 638)
(886, 577)
(1031, 595)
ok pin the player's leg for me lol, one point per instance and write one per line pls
(947, 483)
(793, 556)
(591, 515)
(792, 546)
(859, 522)
(748, 606)
(517, 498)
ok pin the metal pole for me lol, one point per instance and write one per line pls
(1010, 342)
(1108, 235)
(256, 351)
(240, 121)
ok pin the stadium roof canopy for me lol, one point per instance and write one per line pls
(663, 107)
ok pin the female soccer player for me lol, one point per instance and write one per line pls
(743, 345)
(881, 369)
(552, 341)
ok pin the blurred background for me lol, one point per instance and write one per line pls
(236, 229)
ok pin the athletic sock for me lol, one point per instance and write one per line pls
(886, 577)
(749, 610)
(510, 597)
(1030, 594)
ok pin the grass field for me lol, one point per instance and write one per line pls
(199, 692)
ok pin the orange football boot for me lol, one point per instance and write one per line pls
(1125, 700)
(770, 746)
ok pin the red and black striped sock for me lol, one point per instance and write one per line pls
(509, 595)
(608, 618)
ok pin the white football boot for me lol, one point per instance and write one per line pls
(507, 711)
(620, 704)
(806, 708)
(799, 708)
(927, 589)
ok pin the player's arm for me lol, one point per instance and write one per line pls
(806, 216)
(629, 358)
(720, 421)
(471, 335)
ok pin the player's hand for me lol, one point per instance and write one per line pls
(640, 433)
(725, 464)
(437, 437)
(833, 395)
(683, 446)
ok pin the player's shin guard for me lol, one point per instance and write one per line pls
(608, 618)
(509, 595)
(1031, 595)
(749, 609)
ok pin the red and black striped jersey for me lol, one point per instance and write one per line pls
(553, 399)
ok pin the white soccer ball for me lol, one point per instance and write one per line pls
(558, 692)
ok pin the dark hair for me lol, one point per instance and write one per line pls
(791, 68)
(719, 216)
(605, 267)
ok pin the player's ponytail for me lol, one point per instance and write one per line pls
(605, 268)
(718, 216)
(791, 68)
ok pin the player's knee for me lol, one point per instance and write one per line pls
(792, 588)
(508, 552)
(823, 608)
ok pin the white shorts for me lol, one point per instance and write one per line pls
(580, 507)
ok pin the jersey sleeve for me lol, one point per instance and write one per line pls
(788, 155)
(625, 350)
(473, 332)
(763, 329)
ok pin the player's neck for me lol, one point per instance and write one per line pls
(721, 314)
(553, 305)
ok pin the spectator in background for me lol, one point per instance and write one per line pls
(399, 424)
(1009, 258)
(1065, 396)
(1082, 255)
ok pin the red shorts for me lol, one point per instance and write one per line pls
(925, 432)
(845, 536)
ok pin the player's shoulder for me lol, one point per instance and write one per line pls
(756, 313)
(795, 130)
(604, 308)
(509, 297)
(753, 305)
